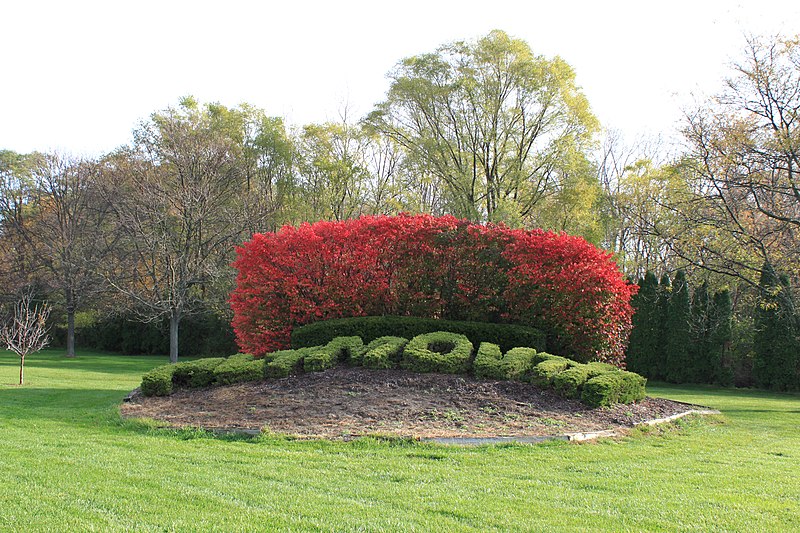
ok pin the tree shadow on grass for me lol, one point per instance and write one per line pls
(88, 363)
(95, 409)
(59, 404)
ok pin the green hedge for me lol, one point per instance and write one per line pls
(239, 368)
(596, 384)
(487, 361)
(543, 373)
(158, 382)
(569, 382)
(440, 351)
(383, 352)
(348, 349)
(204, 334)
(339, 349)
(596, 368)
(515, 364)
(195, 374)
(284, 362)
(613, 387)
(369, 328)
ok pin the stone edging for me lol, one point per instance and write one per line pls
(569, 437)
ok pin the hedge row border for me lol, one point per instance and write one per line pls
(594, 384)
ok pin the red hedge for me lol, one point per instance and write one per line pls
(437, 267)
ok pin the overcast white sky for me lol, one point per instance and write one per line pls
(76, 76)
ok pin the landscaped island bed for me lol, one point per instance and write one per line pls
(345, 402)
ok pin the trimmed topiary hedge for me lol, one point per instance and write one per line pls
(195, 374)
(596, 384)
(613, 387)
(487, 361)
(369, 328)
(339, 349)
(239, 368)
(162, 380)
(158, 382)
(284, 362)
(569, 382)
(515, 364)
(383, 352)
(440, 351)
(546, 369)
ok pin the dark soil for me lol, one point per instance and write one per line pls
(351, 402)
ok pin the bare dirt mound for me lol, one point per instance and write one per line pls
(352, 402)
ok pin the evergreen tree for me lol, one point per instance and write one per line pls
(700, 368)
(676, 344)
(658, 363)
(776, 346)
(644, 347)
(721, 331)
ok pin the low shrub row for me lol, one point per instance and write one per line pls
(162, 380)
(596, 384)
(238, 369)
(381, 353)
(369, 328)
(204, 334)
(491, 363)
(313, 358)
(440, 351)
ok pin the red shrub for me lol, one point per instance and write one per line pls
(437, 267)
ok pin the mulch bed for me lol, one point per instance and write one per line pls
(344, 403)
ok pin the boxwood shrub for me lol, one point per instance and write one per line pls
(515, 364)
(487, 361)
(369, 328)
(613, 387)
(282, 363)
(596, 384)
(543, 373)
(519, 362)
(596, 368)
(383, 352)
(347, 349)
(440, 351)
(194, 374)
(158, 382)
(569, 382)
(238, 369)
(321, 358)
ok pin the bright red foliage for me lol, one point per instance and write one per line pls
(437, 267)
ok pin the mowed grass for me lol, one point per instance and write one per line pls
(68, 463)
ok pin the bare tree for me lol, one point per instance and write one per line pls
(637, 189)
(69, 215)
(26, 331)
(52, 219)
(745, 168)
(16, 189)
(180, 204)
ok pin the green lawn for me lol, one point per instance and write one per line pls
(67, 463)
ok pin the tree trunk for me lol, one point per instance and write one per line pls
(174, 322)
(70, 331)
(21, 369)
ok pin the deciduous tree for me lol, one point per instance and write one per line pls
(745, 168)
(495, 125)
(25, 332)
(180, 202)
